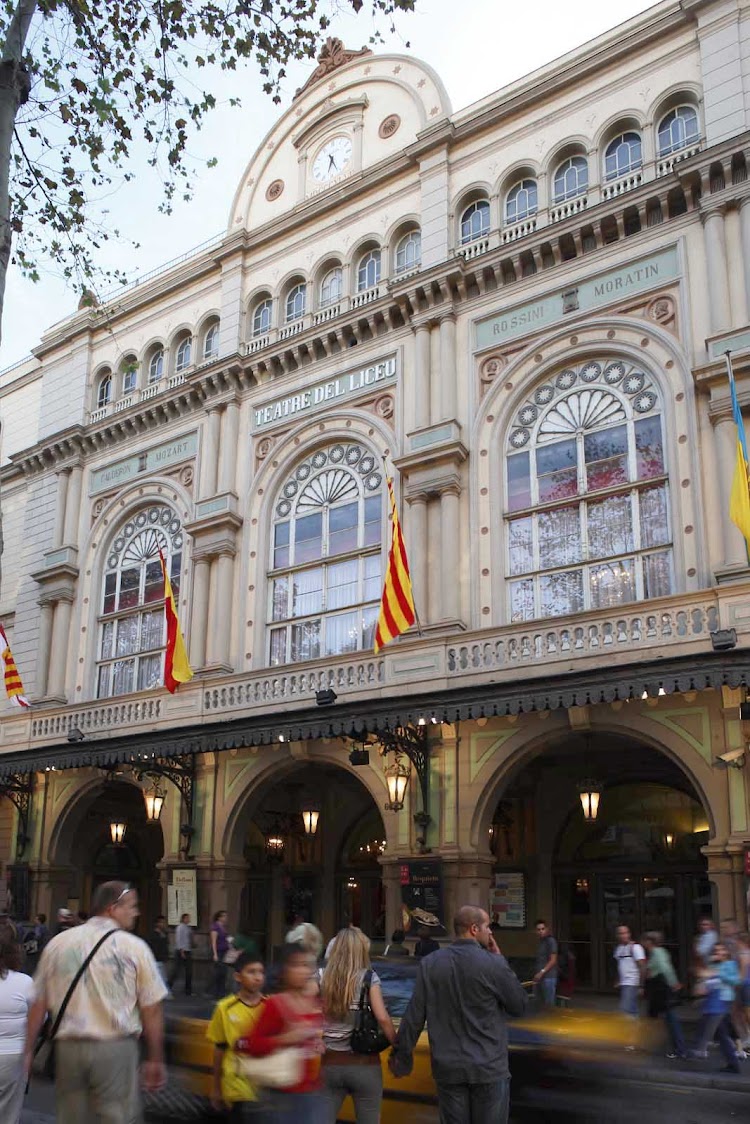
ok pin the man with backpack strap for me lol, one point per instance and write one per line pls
(631, 973)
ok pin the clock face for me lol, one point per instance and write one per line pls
(332, 159)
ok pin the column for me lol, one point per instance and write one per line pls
(58, 662)
(418, 554)
(229, 442)
(199, 616)
(745, 240)
(735, 553)
(422, 376)
(210, 452)
(736, 268)
(60, 504)
(46, 613)
(716, 260)
(448, 372)
(73, 507)
(449, 554)
(221, 610)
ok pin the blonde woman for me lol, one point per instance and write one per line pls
(344, 1072)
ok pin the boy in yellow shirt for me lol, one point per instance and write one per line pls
(235, 1017)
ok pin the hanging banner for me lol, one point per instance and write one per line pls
(182, 897)
(422, 897)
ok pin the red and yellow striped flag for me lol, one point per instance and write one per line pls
(177, 667)
(13, 684)
(397, 612)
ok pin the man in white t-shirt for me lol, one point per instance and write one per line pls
(631, 970)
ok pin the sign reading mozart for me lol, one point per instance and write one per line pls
(341, 387)
(120, 472)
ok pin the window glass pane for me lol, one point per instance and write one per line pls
(130, 581)
(373, 581)
(280, 599)
(108, 635)
(308, 541)
(612, 584)
(127, 636)
(307, 592)
(152, 626)
(561, 593)
(649, 450)
(610, 526)
(342, 528)
(280, 545)
(519, 482)
(522, 600)
(657, 574)
(102, 686)
(122, 676)
(369, 621)
(278, 646)
(606, 456)
(373, 508)
(110, 586)
(556, 469)
(342, 633)
(654, 517)
(175, 569)
(560, 537)
(154, 587)
(149, 672)
(342, 584)
(520, 550)
(306, 641)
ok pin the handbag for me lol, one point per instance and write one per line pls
(367, 1037)
(43, 1064)
(281, 1070)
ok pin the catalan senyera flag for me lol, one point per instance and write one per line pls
(177, 667)
(13, 684)
(397, 612)
(739, 499)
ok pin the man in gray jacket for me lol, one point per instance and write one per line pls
(464, 992)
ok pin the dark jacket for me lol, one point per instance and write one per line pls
(465, 994)
(159, 944)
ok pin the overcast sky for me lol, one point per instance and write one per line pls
(476, 47)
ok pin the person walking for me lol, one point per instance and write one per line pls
(545, 967)
(235, 1017)
(630, 959)
(65, 920)
(396, 946)
(158, 942)
(704, 942)
(16, 997)
(465, 992)
(117, 1001)
(34, 941)
(219, 948)
(661, 987)
(183, 955)
(720, 980)
(346, 1073)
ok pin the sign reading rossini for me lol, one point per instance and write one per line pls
(327, 393)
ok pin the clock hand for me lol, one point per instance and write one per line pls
(332, 162)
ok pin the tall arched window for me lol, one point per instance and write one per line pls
(368, 271)
(624, 154)
(262, 317)
(587, 504)
(678, 129)
(211, 341)
(409, 251)
(326, 576)
(132, 629)
(156, 366)
(521, 201)
(129, 369)
(331, 287)
(295, 302)
(475, 221)
(571, 179)
(183, 354)
(104, 391)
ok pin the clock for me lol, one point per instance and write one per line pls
(332, 159)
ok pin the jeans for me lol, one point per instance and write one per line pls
(675, 1031)
(474, 1104)
(545, 990)
(629, 999)
(97, 1081)
(295, 1108)
(363, 1083)
(719, 1026)
(182, 963)
(219, 985)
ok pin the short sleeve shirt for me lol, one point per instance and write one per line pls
(122, 978)
(627, 958)
(547, 947)
(233, 1019)
(337, 1036)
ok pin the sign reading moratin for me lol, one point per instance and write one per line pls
(324, 393)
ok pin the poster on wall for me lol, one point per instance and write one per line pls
(508, 900)
(182, 897)
(422, 898)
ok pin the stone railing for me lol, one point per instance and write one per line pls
(96, 716)
(176, 379)
(565, 210)
(519, 230)
(292, 329)
(256, 344)
(124, 403)
(475, 248)
(330, 312)
(149, 392)
(367, 297)
(295, 683)
(665, 165)
(99, 415)
(622, 185)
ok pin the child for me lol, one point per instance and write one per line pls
(235, 1017)
(720, 981)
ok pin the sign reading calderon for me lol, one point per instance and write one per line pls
(325, 393)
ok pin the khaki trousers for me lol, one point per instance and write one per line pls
(97, 1082)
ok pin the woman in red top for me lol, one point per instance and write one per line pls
(293, 1018)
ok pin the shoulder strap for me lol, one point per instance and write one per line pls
(74, 984)
(366, 979)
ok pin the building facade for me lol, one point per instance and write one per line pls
(520, 310)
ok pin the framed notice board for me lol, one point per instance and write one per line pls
(508, 900)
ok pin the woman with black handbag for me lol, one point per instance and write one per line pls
(356, 1030)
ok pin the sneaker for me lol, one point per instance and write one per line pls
(673, 1056)
(741, 1056)
(697, 1053)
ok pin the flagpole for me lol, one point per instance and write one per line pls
(416, 611)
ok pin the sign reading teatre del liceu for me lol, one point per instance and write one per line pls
(330, 392)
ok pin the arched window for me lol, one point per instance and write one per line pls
(678, 129)
(326, 576)
(475, 221)
(624, 154)
(409, 251)
(132, 629)
(129, 369)
(156, 366)
(331, 287)
(183, 353)
(211, 342)
(262, 317)
(368, 271)
(295, 302)
(587, 503)
(571, 179)
(104, 391)
(521, 201)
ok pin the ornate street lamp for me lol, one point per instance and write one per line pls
(154, 798)
(275, 847)
(590, 792)
(117, 831)
(310, 819)
(397, 778)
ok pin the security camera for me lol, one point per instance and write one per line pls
(733, 757)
